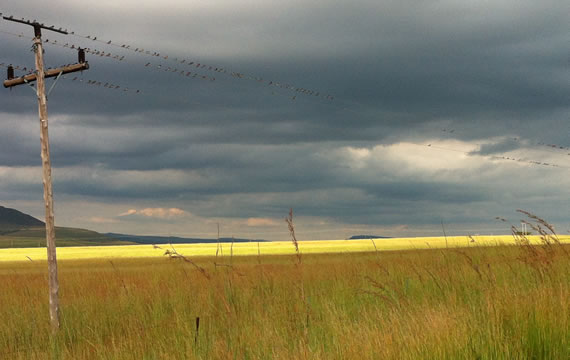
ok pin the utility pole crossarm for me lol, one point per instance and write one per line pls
(48, 74)
(35, 24)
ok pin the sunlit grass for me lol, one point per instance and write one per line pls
(265, 248)
(498, 302)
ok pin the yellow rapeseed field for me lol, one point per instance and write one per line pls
(264, 248)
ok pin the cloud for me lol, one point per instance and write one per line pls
(128, 212)
(102, 220)
(255, 222)
(159, 213)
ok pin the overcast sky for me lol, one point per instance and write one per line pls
(365, 116)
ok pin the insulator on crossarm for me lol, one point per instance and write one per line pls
(81, 56)
(10, 72)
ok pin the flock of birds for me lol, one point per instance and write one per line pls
(182, 68)
(180, 61)
(560, 150)
(207, 67)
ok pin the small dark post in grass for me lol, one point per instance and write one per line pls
(197, 330)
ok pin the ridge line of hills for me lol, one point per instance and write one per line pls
(18, 230)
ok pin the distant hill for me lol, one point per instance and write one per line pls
(12, 219)
(362, 237)
(22, 230)
(141, 239)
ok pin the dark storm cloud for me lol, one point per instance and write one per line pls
(416, 67)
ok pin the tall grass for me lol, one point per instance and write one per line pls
(471, 303)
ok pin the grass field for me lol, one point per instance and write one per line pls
(476, 302)
(265, 248)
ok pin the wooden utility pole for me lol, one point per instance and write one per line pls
(39, 77)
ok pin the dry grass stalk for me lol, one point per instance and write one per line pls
(291, 226)
(173, 254)
(301, 285)
(539, 257)
(375, 248)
